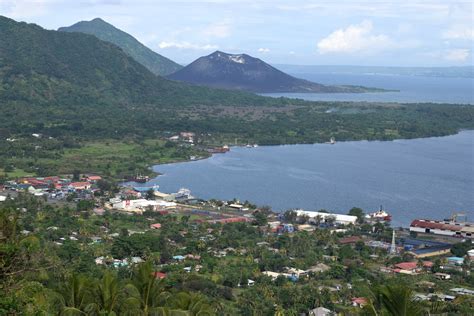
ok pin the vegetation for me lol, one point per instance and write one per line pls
(45, 271)
(156, 63)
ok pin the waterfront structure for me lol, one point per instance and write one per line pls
(444, 228)
(325, 217)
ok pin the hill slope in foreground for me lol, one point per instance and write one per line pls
(244, 72)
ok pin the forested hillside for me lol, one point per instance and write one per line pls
(154, 62)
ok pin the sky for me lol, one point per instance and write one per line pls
(303, 32)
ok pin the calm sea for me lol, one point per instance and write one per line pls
(420, 178)
(413, 89)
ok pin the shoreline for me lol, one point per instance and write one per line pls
(340, 211)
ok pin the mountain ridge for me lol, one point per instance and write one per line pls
(156, 63)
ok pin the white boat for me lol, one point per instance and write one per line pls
(332, 141)
(379, 215)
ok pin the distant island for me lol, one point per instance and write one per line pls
(247, 73)
(440, 72)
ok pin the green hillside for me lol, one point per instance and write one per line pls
(155, 62)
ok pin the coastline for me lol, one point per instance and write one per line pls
(213, 190)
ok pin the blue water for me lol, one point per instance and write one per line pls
(420, 178)
(413, 89)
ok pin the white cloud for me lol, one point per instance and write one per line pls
(218, 30)
(21, 9)
(457, 55)
(459, 31)
(186, 45)
(263, 50)
(354, 38)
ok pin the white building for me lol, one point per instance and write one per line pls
(338, 218)
(141, 204)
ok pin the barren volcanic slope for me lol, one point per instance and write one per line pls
(156, 63)
(244, 72)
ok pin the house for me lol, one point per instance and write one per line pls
(411, 267)
(320, 311)
(160, 275)
(470, 254)
(80, 185)
(462, 291)
(351, 240)
(359, 301)
(93, 178)
(319, 268)
(442, 276)
(155, 226)
(457, 261)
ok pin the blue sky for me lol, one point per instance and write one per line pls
(392, 33)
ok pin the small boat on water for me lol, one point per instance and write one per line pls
(332, 141)
(379, 216)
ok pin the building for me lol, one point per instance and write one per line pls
(456, 261)
(230, 220)
(351, 240)
(80, 185)
(340, 219)
(411, 267)
(444, 228)
(359, 301)
(320, 311)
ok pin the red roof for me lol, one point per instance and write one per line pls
(359, 300)
(413, 265)
(94, 178)
(155, 226)
(160, 275)
(433, 225)
(80, 184)
(230, 220)
(350, 240)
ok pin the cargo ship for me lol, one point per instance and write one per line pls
(379, 216)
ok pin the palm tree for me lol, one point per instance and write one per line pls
(194, 303)
(145, 293)
(396, 300)
(107, 295)
(76, 299)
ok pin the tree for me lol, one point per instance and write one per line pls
(290, 216)
(460, 249)
(355, 211)
(76, 175)
(261, 218)
(395, 300)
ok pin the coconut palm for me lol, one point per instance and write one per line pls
(396, 300)
(75, 296)
(145, 293)
(107, 295)
(194, 303)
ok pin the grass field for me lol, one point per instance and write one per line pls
(110, 158)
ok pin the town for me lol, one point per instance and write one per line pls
(240, 250)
